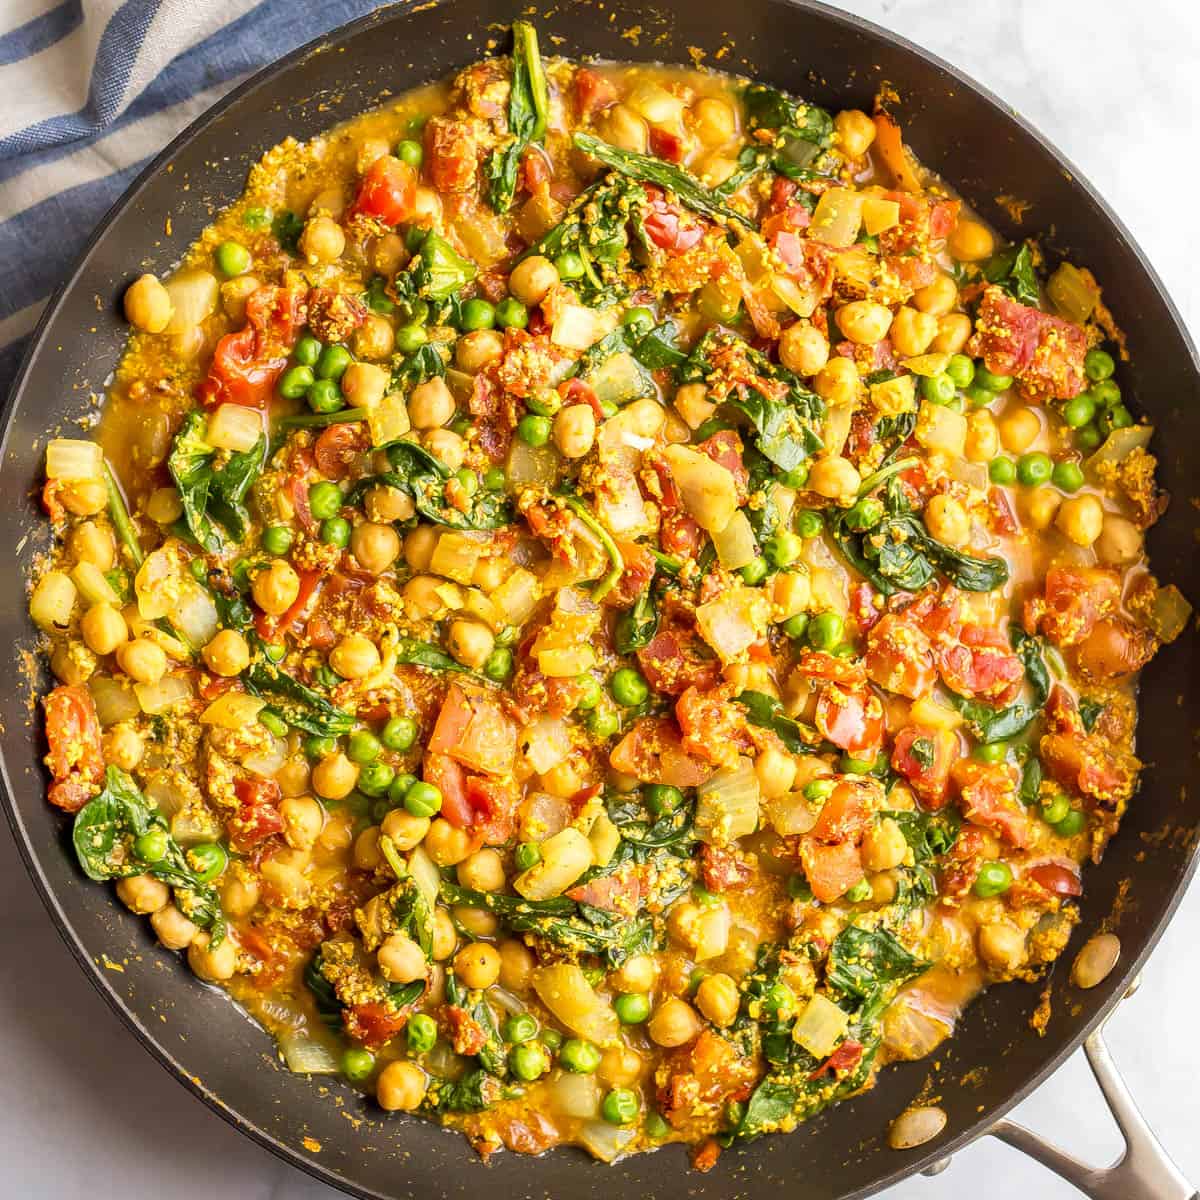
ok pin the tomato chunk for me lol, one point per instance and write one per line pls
(76, 759)
(831, 870)
(989, 798)
(851, 718)
(899, 657)
(924, 757)
(386, 191)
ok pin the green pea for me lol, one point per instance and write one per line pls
(276, 539)
(569, 265)
(859, 892)
(819, 789)
(399, 733)
(336, 532)
(1068, 476)
(511, 313)
(534, 430)
(632, 1008)
(357, 1063)
(1078, 412)
(276, 652)
(295, 381)
(551, 1039)
(333, 362)
(256, 217)
(620, 1107)
(993, 383)
(324, 499)
(978, 396)
(1088, 438)
(1120, 417)
(410, 338)
(825, 630)
(544, 403)
(520, 1027)
(410, 152)
(494, 479)
(992, 752)
(628, 687)
(938, 389)
(578, 1056)
(382, 807)
(363, 747)
(662, 798)
(797, 626)
(603, 723)
(400, 787)
(1034, 468)
(783, 548)
(423, 799)
(153, 845)
(233, 259)
(797, 477)
(208, 860)
(798, 889)
(1074, 822)
(640, 319)
(422, 1033)
(273, 723)
(199, 570)
(1002, 470)
(655, 1127)
(994, 879)
(590, 692)
(319, 747)
(755, 571)
(324, 396)
(608, 410)
(1056, 809)
(478, 314)
(961, 370)
(461, 424)
(1106, 393)
(857, 766)
(526, 855)
(529, 1061)
(809, 523)
(1098, 365)
(779, 1002)
(498, 665)
(864, 515)
(307, 350)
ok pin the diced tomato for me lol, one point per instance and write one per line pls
(258, 816)
(535, 169)
(714, 729)
(851, 718)
(1115, 647)
(862, 607)
(705, 1155)
(943, 217)
(576, 391)
(899, 657)
(1003, 519)
(725, 448)
(680, 534)
(473, 729)
(924, 757)
(846, 813)
(451, 780)
(493, 804)
(831, 870)
(466, 1034)
(635, 578)
(619, 892)
(1056, 878)
(276, 313)
(374, 1024)
(666, 145)
(451, 154)
(670, 227)
(1085, 765)
(494, 418)
(338, 448)
(724, 869)
(702, 1075)
(674, 660)
(845, 1058)
(652, 752)
(270, 629)
(1073, 600)
(76, 757)
(593, 92)
(831, 668)
(386, 192)
(980, 663)
(913, 271)
(988, 793)
(782, 191)
(237, 375)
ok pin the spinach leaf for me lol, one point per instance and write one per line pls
(1013, 269)
(684, 186)
(604, 585)
(750, 161)
(636, 627)
(329, 1007)
(528, 108)
(491, 1055)
(424, 363)
(376, 297)
(436, 273)
(929, 834)
(767, 713)
(414, 653)
(298, 705)
(286, 229)
(804, 131)
(1089, 712)
(646, 840)
(412, 912)
(657, 349)
(868, 966)
(473, 1092)
(1031, 782)
(1000, 724)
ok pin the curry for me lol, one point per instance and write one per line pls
(604, 605)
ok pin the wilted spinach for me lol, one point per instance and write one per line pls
(528, 108)
(1001, 724)
(1013, 270)
(767, 713)
(300, 706)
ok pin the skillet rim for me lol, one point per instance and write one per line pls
(906, 1167)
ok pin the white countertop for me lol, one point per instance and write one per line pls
(87, 1113)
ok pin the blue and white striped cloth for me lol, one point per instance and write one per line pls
(90, 90)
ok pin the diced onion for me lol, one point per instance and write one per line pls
(267, 763)
(1120, 444)
(879, 214)
(1169, 613)
(820, 1026)
(1072, 293)
(836, 429)
(607, 1142)
(706, 488)
(388, 420)
(620, 379)
(837, 217)
(710, 932)
(235, 427)
(92, 585)
(801, 300)
(481, 606)
(194, 824)
(621, 506)
(195, 616)
(926, 364)
(548, 742)
(543, 815)
(790, 814)
(564, 990)
(727, 804)
(167, 692)
(733, 621)
(941, 429)
(305, 1056)
(425, 874)
(735, 544)
(656, 104)
(156, 585)
(456, 555)
(575, 1096)
(233, 710)
(566, 661)
(114, 700)
(605, 837)
(537, 465)
(565, 857)
(52, 602)
(194, 296)
(72, 458)
(165, 794)
(575, 327)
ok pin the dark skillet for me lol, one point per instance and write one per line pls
(957, 129)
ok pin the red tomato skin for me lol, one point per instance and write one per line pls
(336, 450)
(851, 718)
(76, 758)
(386, 192)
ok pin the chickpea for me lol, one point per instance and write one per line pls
(400, 1086)
(374, 338)
(947, 520)
(1001, 945)
(883, 846)
(334, 777)
(275, 589)
(322, 240)
(239, 894)
(419, 545)
(405, 831)
(212, 965)
(636, 974)
(913, 330)
(626, 130)
(1080, 519)
(1042, 507)
(72, 663)
(143, 893)
(954, 331)
(884, 887)
(148, 304)
(84, 497)
(856, 132)
(937, 298)
(388, 253)
(446, 844)
(92, 543)
(478, 922)
(375, 546)
(123, 747)
(1120, 541)
(482, 871)
(864, 321)
(837, 382)
(164, 506)
(983, 437)
(103, 628)
(446, 445)
(430, 405)
(426, 206)
(516, 965)
(835, 478)
(338, 834)
(714, 121)
(303, 818)
(293, 777)
(970, 241)
(673, 1023)
(1019, 429)
(478, 965)
(364, 384)
(401, 960)
(575, 430)
(142, 660)
(531, 279)
(354, 657)
(235, 293)
(619, 1066)
(227, 654)
(718, 999)
(803, 348)
(491, 572)
(476, 349)
(471, 642)
(421, 596)
(367, 854)
(384, 504)
(693, 405)
(445, 936)
(172, 928)
(776, 771)
(328, 202)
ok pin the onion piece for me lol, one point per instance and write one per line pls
(195, 616)
(548, 742)
(575, 327)
(114, 700)
(537, 465)
(425, 874)
(735, 544)
(837, 218)
(727, 804)
(92, 585)
(564, 990)
(233, 710)
(52, 602)
(565, 857)
(1072, 292)
(194, 296)
(1120, 444)
(234, 427)
(607, 1142)
(517, 596)
(836, 429)
(820, 1026)
(305, 1056)
(166, 693)
(73, 458)
(266, 764)
(1169, 613)
(575, 1096)
(388, 420)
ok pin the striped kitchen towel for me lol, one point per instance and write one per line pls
(92, 89)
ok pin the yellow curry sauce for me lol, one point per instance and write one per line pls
(604, 606)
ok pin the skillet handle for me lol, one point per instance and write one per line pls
(1143, 1172)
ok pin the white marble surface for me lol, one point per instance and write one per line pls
(86, 1113)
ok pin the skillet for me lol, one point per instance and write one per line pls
(994, 1060)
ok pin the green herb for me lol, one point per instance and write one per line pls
(528, 109)
(414, 653)
(603, 586)
(298, 705)
(424, 363)
(804, 132)
(636, 627)
(868, 966)
(474, 1092)
(767, 713)
(329, 1007)
(929, 834)
(436, 273)
(492, 1056)
(411, 909)
(377, 298)
(1000, 725)
(286, 228)
(1031, 782)
(1089, 712)
(1012, 268)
